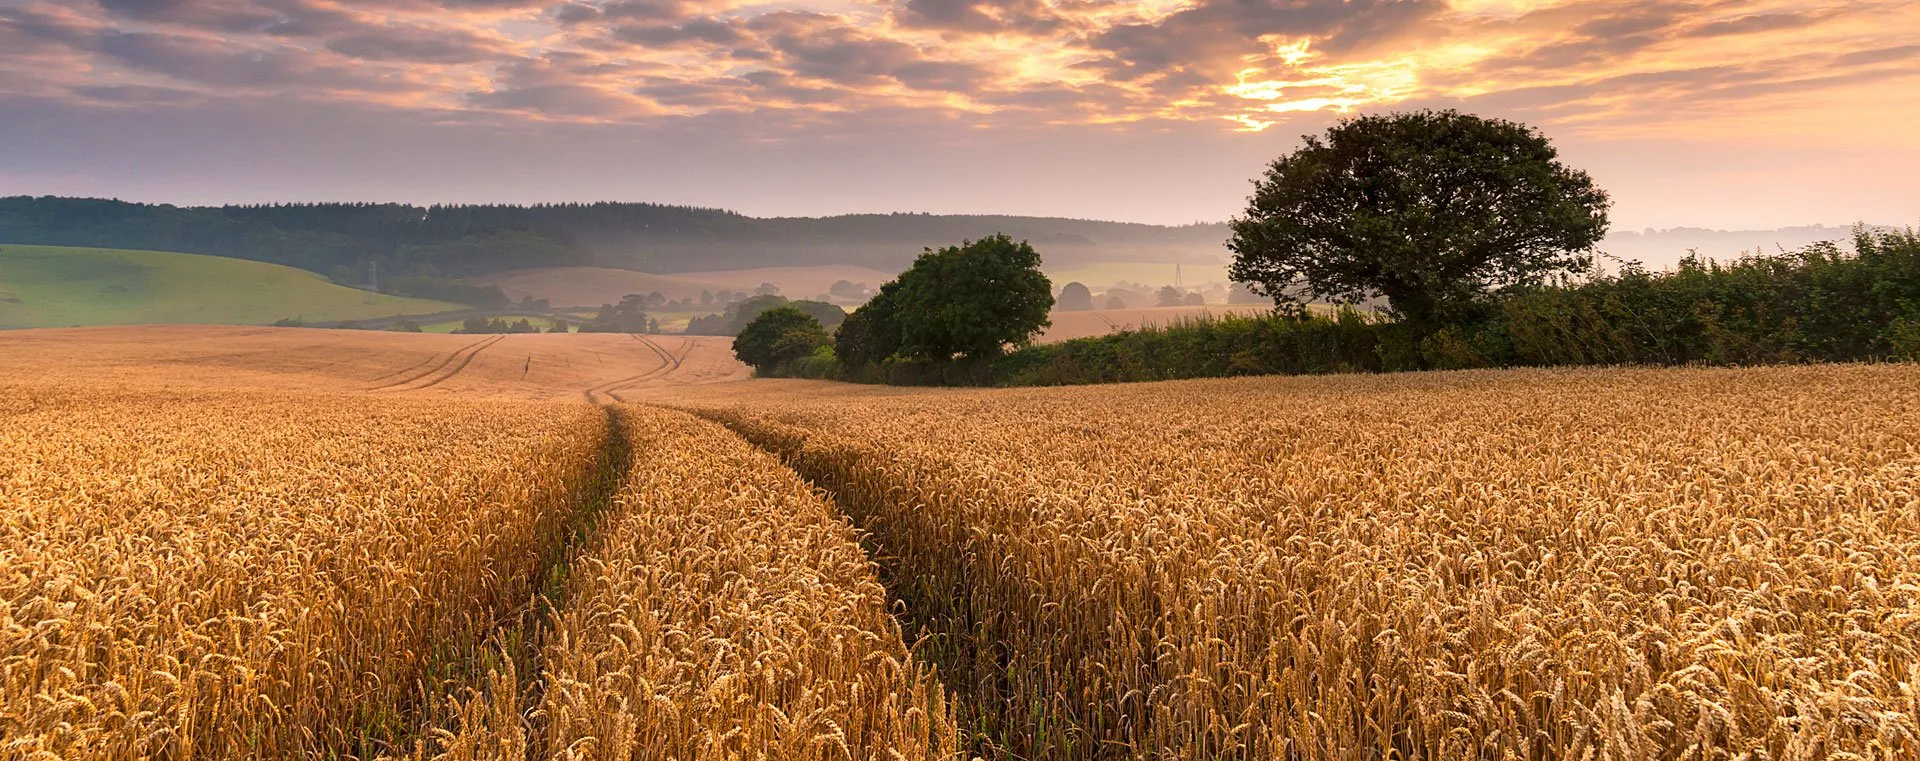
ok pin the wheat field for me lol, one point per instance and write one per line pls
(1595, 564)
(258, 575)
(725, 611)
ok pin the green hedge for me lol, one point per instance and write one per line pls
(1816, 304)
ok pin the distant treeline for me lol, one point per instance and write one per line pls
(1817, 304)
(347, 241)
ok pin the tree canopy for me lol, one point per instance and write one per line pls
(972, 300)
(1432, 209)
(740, 313)
(872, 332)
(1075, 298)
(628, 316)
(778, 335)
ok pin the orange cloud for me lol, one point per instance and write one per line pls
(1606, 67)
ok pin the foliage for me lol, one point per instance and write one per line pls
(872, 332)
(778, 336)
(1816, 304)
(345, 240)
(739, 313)
(457, 291)
(1203, 347)
(1074, 297)
(1169, 296)
(960, 306)
(628, 316)
(478, 325)
(1239, 293)
(1435, 210)
(972, 300)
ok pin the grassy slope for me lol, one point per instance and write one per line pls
(56, 286)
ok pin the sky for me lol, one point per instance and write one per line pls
(1727, 114)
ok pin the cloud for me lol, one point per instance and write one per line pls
(412, 43)
(221, 15)
(693, 31)
(1030, 17)
(1228, 64)
(1216, 34)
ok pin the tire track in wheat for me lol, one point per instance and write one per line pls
(455, 363)
(604, 393)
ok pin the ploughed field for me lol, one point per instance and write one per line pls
(261, 545)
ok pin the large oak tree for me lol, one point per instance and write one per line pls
(1432, 209)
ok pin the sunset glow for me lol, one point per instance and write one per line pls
(822, 69)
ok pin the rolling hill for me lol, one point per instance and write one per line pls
(53, 286)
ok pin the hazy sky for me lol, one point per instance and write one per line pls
(1757, 113)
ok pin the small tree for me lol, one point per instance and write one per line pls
(1194, 299)
(974, 299)
(777, 336)
(1170, 296)
(628, 316)
(1115, 302)
(1432, 209)
(1075, 298)
(1239, 293)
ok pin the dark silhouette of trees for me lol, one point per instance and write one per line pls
(1169, 296)
(1075, 298)
(872, 332)
(1435, 210)
(628, 316)
(344, 240)
(1239, 293)
(740, 313)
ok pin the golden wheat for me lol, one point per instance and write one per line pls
(261, 575)
(724, 612)
(1593, 564)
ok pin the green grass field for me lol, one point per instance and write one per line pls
(57, 286)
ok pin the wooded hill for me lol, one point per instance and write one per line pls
(347, 240)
